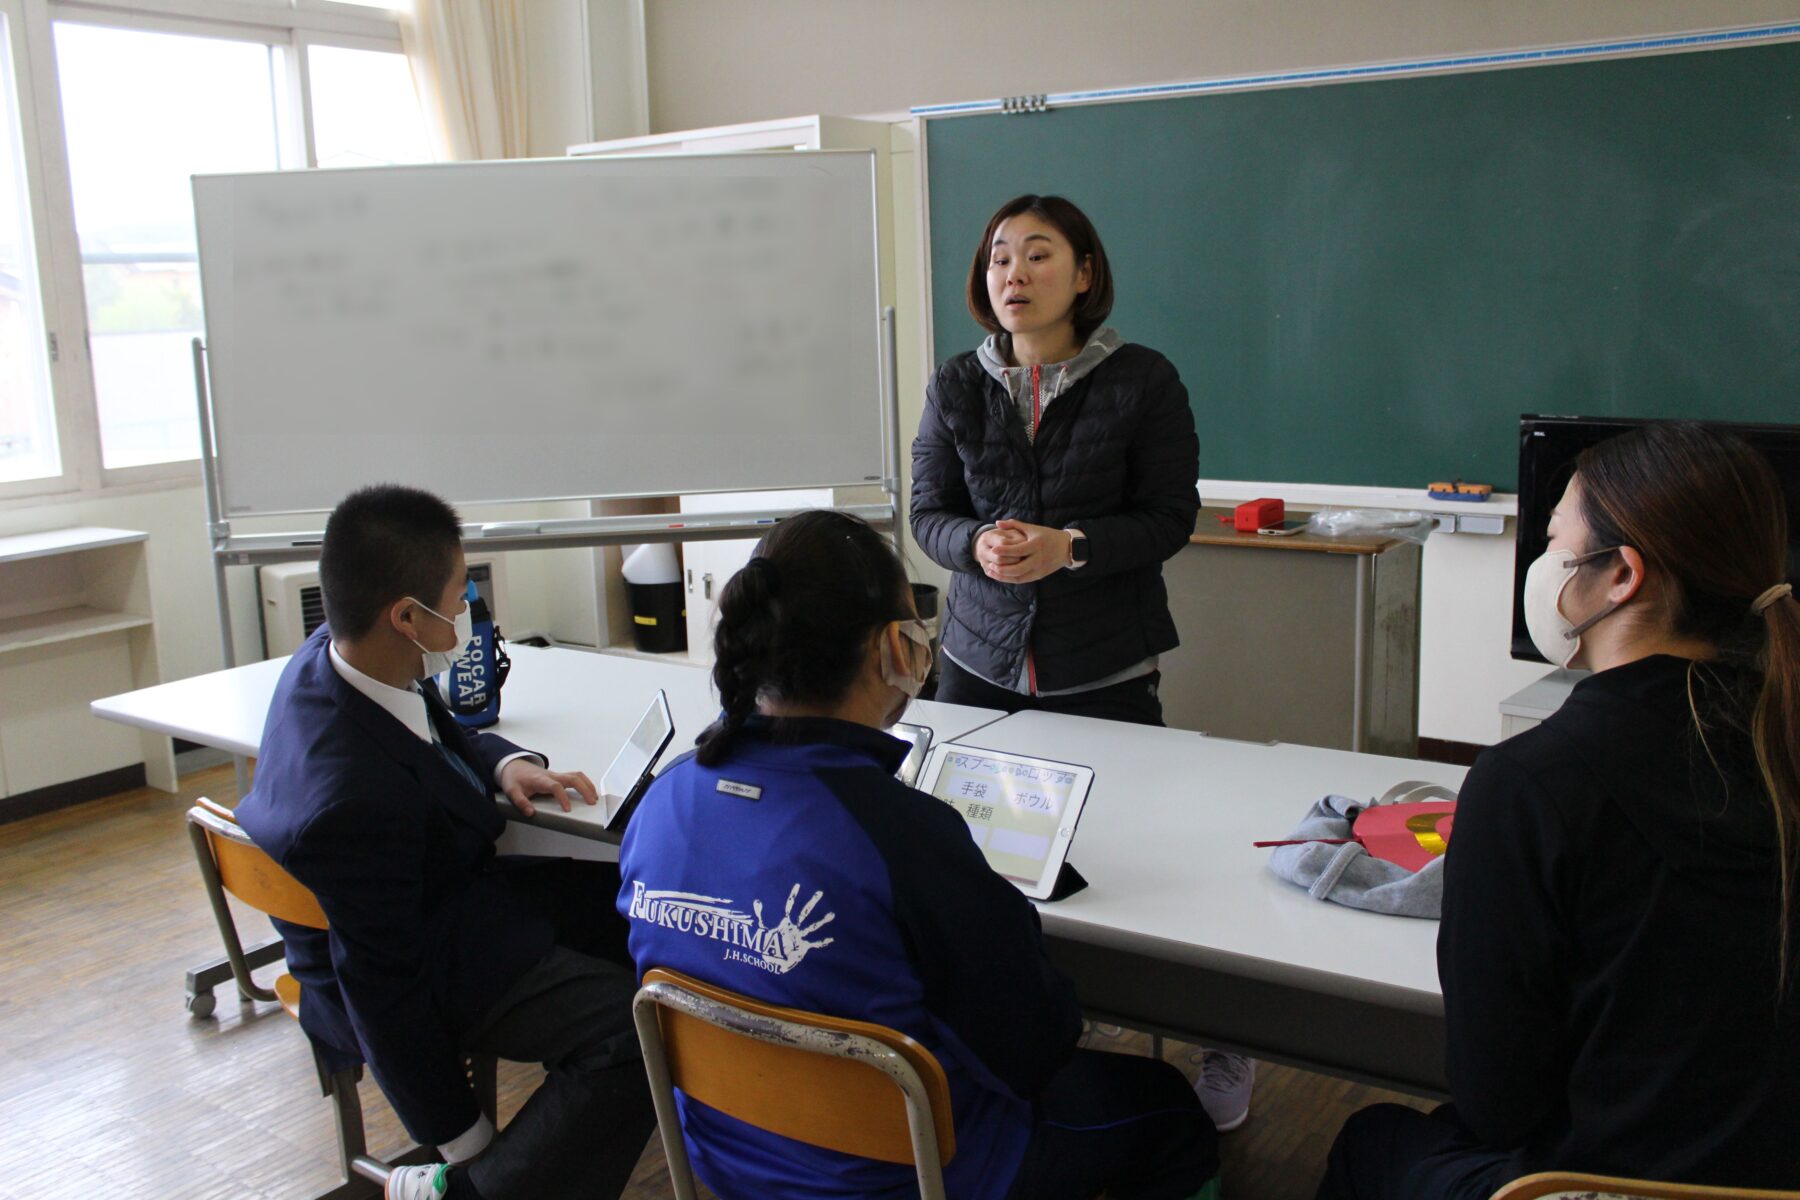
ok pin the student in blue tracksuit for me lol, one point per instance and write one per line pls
(783, 860)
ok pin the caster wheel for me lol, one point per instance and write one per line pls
(201, 1005)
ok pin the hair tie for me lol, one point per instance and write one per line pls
(1764, 602)
(771, 577)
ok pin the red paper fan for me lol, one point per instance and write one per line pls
(1407, 835)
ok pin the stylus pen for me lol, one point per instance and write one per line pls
(1309, 842)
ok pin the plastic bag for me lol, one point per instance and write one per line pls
(1408, 524)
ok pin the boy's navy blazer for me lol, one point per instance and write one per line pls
(425, 931)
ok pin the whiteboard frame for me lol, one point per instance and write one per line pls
(887, 427)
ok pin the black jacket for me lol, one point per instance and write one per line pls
(428, 926)
(1116, 457)
(1609, 944)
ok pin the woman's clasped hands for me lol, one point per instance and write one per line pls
(1015, 552)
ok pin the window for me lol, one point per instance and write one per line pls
(364, 110)
(134, 98)
(142, 112)
(27, 425)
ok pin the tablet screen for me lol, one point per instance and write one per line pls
(1020, 811)
(920, 737)
(637, 756)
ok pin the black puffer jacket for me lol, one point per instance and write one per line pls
(1115, 457)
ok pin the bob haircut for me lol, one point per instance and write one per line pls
(1093, 306)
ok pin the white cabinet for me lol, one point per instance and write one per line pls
(75, 625)
(707, 565)
(1528, 706)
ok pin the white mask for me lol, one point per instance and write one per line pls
(439, 661)
(911, 681)
(1556, 637)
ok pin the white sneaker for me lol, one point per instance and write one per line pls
(1224, 1086)
(428, 1182)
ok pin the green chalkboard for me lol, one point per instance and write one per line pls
(1367, 283)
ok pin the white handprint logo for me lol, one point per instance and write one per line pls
(784, 945)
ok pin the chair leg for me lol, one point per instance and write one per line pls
(346, 1107)
(234, 948)
(662, 1092)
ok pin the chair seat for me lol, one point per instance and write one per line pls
(287, 990)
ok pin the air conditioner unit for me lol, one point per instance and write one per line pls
(292, 606)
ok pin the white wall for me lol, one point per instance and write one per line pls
(717, 62)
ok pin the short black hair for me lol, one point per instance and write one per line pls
(1092, 307)
(381, 543)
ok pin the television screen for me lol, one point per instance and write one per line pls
(1547, 450)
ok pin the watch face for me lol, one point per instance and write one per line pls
(1078, 550)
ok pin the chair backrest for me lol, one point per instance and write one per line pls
(248, 873)
(1606, 1187)
(817, 1079)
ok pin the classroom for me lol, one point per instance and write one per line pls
(635, 286)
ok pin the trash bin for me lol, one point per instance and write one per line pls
(658, 605)
(658, 617)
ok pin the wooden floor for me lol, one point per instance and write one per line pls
(109, 1088)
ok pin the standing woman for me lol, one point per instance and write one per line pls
(1620, 947)
(1054, 471)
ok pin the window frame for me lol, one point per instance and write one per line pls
(290, 28)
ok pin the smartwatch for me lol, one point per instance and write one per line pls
(1078, 549)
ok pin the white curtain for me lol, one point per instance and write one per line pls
(468, 63)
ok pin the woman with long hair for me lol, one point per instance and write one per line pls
(782, 859)
(1617, 948)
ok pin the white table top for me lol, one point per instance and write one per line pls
(221, 709)
(574, 706)
(1165, 845)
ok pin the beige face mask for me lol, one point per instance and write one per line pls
(911, 681)
(1556, 637)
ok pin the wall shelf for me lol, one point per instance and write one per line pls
(76, 624)
(63, 625)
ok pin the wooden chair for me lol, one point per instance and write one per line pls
(231, 862)
(1556, 1184)
(848, 1086)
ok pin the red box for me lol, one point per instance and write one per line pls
(1253, 515)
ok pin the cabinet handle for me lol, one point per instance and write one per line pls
(707, 580)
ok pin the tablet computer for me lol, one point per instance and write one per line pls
(1021, 811)
(635, 764)
(920, 738)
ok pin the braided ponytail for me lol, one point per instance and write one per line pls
(795, 623)
(742, 643)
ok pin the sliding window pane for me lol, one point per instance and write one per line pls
(27, 423)
(365, 112)
(142, 113)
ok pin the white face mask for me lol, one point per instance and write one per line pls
(439, 661)
(1555, 636)
(911, 681)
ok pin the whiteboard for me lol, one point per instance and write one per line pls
(543, 329)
